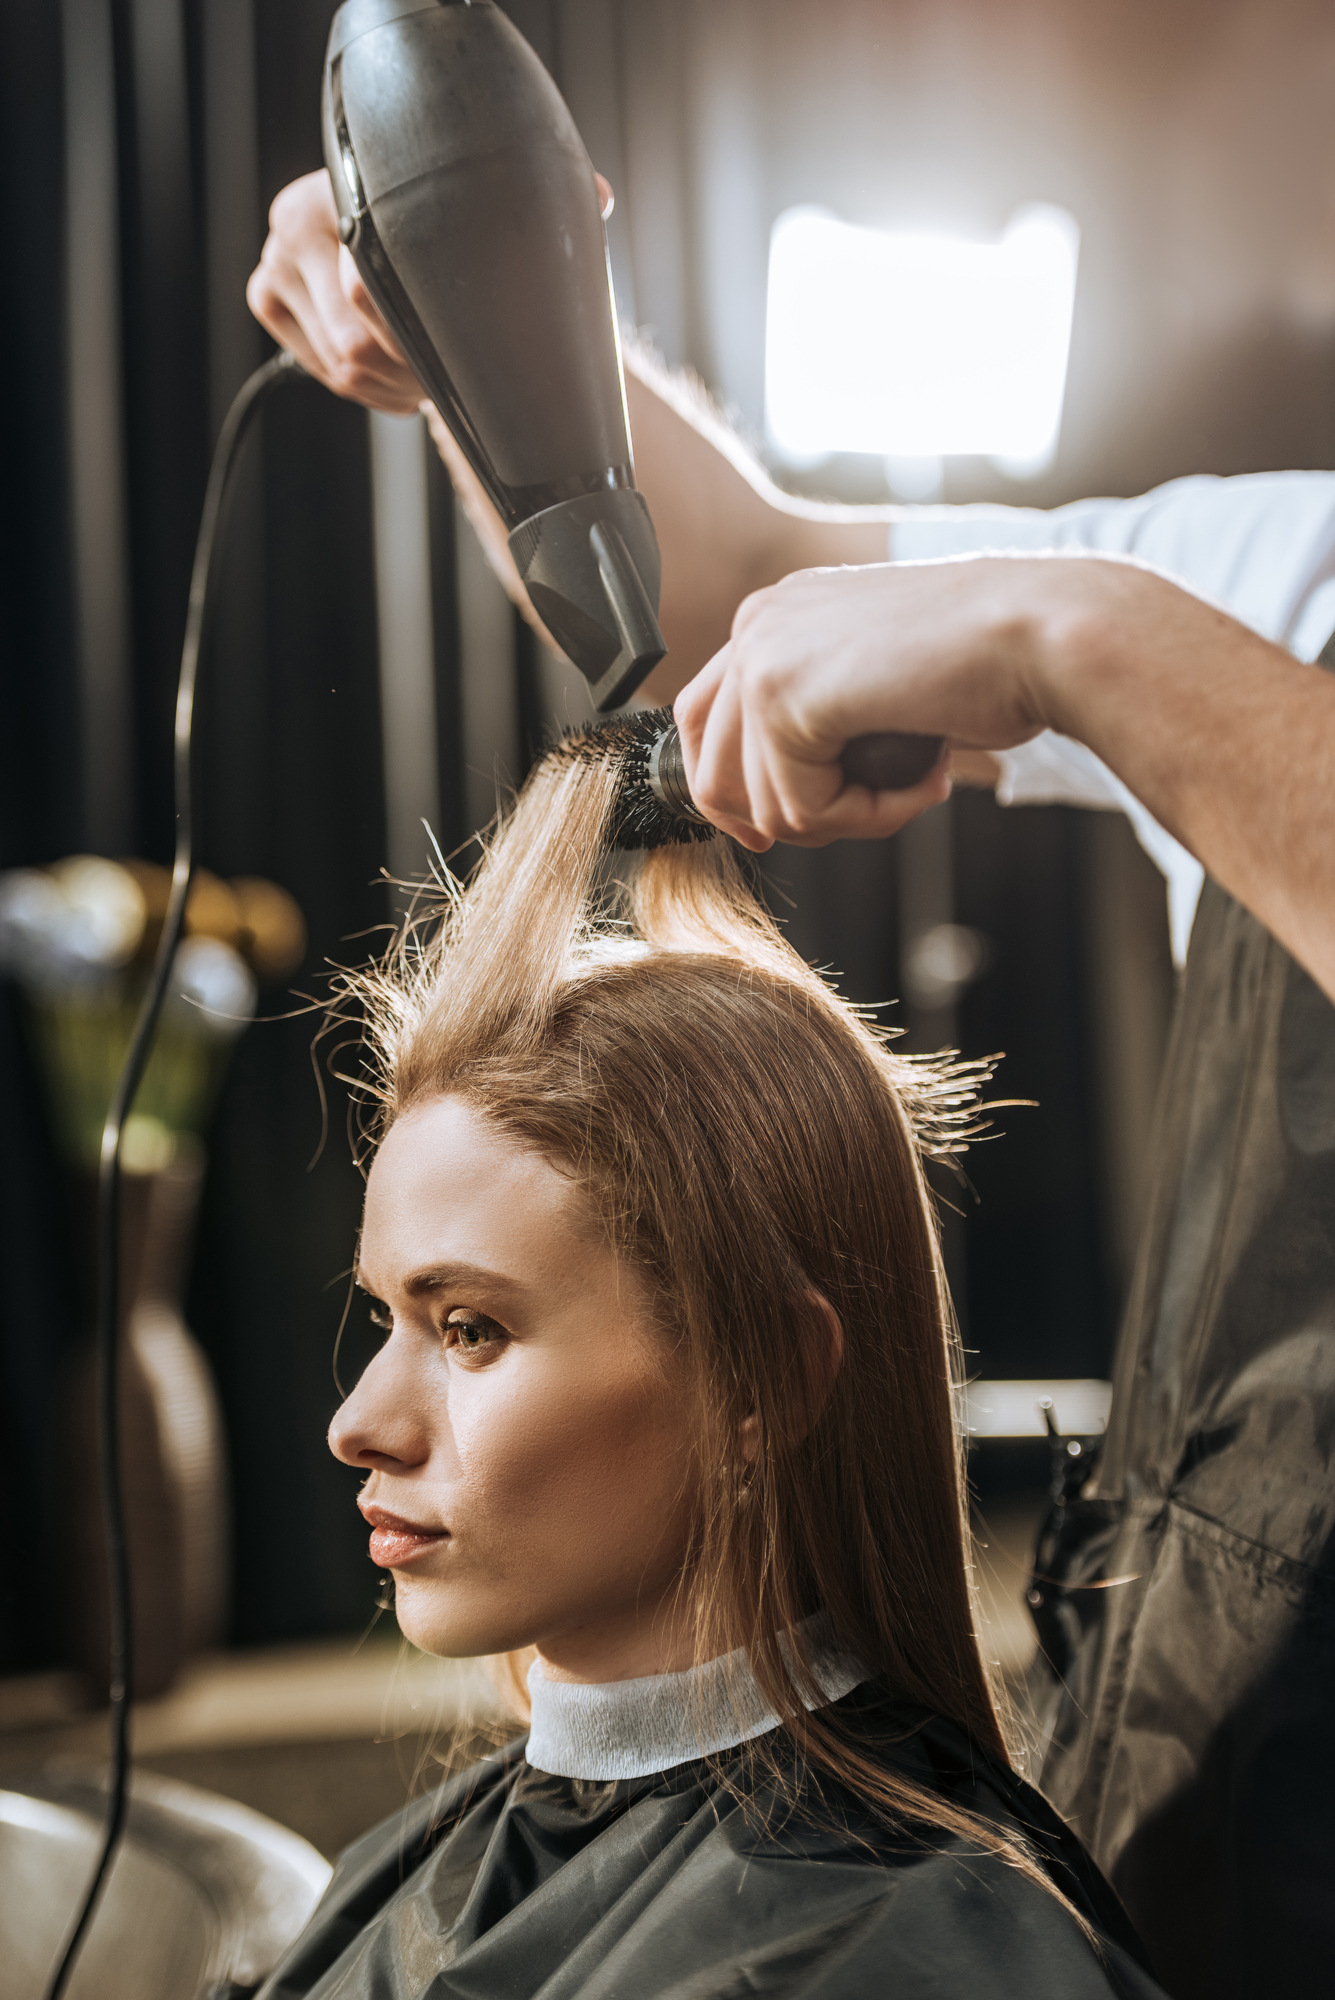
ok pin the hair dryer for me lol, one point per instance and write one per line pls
(469, 205)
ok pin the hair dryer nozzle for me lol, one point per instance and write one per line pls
(591, 568)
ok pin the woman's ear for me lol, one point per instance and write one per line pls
(822, 1354)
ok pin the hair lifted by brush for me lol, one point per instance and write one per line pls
(553, 906)
(752, 1144)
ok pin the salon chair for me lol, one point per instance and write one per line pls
(204, 1897)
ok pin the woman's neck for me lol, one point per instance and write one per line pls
(637, 1646)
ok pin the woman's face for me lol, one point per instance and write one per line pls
(526, 1438)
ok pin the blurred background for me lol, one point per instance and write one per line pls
(366, 670)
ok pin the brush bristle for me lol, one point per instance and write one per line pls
(638, 819)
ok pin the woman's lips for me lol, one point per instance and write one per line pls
(395, 1541)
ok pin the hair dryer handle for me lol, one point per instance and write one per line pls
(891, 760)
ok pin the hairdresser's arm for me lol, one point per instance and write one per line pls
(723, 528)
(1226, 738)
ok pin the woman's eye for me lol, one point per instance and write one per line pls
(380, 1315)
(471, 1331)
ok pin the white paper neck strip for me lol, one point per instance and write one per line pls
(632, 1729)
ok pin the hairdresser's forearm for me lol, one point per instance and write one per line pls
(1226, 738)
(724, 530)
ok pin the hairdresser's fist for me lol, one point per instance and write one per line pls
(307, 292)
(947, 649)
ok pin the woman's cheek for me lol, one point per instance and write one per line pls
(560, 1449)
(512, 1435)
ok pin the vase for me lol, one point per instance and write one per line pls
(173, 1453)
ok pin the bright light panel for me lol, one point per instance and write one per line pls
(917, 346)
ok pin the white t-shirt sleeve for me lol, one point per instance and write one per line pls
(1261, 546)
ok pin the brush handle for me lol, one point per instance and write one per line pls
(891, 760)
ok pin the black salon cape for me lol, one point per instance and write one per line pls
(513, 1883)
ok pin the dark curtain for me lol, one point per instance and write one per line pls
(290, 777)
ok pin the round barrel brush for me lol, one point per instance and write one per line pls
(653, 805)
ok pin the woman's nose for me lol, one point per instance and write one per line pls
(378, 1427)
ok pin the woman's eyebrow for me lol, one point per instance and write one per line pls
(438, 1277)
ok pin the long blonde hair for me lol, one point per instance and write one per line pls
(753, 1145)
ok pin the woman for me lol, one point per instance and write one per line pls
(663, 1421)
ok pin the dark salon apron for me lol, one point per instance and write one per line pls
(1192, 1739)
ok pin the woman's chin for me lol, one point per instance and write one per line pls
(422, 1618)
(429, 1622)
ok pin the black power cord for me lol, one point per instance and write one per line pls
(235, 425)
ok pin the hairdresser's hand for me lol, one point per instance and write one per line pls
(307, 292)
(942, 649)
